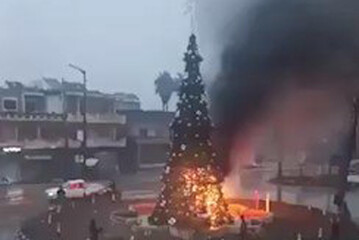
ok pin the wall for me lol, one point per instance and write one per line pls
(15, 93)
(7, 132)
(149, 139)
(153, 121)
(153, 153)
(122, 106)
(54, 103)
(34, 103)
(71, 104)
(99, 105)
(10, 167)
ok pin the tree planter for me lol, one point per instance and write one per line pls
(182, 233)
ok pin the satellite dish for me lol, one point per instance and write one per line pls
(91, 162)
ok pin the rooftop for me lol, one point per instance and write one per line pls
(53, 85)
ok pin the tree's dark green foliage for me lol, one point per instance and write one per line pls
(191, 149)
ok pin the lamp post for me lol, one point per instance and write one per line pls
(350, 146)
(84, 110)
(349, 154)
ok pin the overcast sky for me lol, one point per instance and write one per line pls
(123, 44)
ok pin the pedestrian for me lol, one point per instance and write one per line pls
(61, 195)
(243, 229)
(114, 192)
(94, 230)
(338, 200)
(113, 186)
(345, 211)
(335, 231)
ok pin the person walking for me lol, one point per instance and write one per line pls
(61, 195)
(335, 230)
(243, 229)
(94, 230)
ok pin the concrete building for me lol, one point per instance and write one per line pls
(148, 137)
(41, 129)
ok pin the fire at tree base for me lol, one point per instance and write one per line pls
(254, 220)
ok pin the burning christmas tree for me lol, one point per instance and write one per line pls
(191, 193)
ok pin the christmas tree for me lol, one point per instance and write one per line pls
(191, 192)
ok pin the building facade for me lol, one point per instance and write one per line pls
(41, 129)
(148, 137)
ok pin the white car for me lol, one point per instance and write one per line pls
(5, 181)
(252, 165)
(353, 179)
(77, 189)
(353, 176)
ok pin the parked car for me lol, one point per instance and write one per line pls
(252, 165)
(4, 181)
(78, 188)
(353, 178)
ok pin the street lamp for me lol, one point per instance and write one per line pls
(84, 110)
(349, 154)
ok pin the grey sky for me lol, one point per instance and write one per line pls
(123, 44)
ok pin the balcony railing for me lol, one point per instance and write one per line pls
(91, 118)
(98, 118)
(15, 116)
(54, 144)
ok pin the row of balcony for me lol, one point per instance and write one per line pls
(91, 118)
(60, 143)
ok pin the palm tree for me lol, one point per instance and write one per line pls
(165, 86)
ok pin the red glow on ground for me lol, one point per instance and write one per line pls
(145, 208)
(235, 209)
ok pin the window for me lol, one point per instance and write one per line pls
(9, 104)
(34, 104)
(143, 132)
(151, 133)
(76, 185)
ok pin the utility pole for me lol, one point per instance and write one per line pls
(64, 115)
(349, 154)
(84, 111)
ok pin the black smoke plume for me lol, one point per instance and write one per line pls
(284, 45)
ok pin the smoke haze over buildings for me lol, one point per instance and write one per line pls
(287, 70)
(271, 61)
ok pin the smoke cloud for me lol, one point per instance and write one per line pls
(288, 68)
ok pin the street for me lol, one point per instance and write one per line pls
(20, 202)
(29, 200)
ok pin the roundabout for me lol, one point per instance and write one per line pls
(139, 210)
